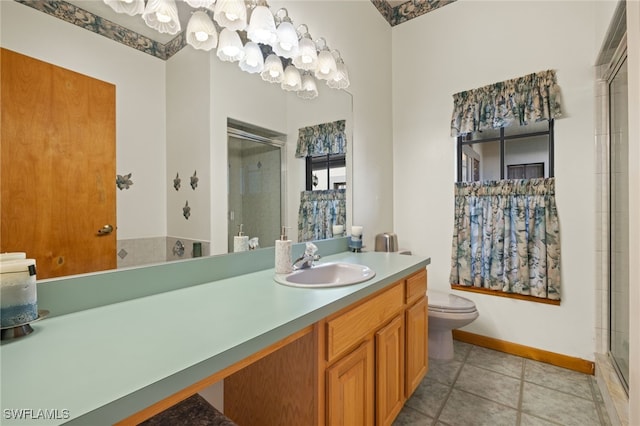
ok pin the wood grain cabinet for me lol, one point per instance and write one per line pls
(364, 362)
(417, 351)
(390, 390)
(350, 385)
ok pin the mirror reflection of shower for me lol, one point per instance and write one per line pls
(255, 170)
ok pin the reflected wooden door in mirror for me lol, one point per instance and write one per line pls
(58, 167)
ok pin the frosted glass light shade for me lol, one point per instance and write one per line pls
(229, 46)
(197, 4)
(272, 72)
(231, 14)
(201, 33)
(162, 15)
(309, 90)
(326, 65)
(253, 61)
(307, 57)
(130, 7)
(262, 27)
(340, 79)
(291, 81)
(286, 44)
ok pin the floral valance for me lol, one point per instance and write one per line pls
(534, 97)
(322, 139)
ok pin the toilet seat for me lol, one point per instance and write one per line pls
(445, 302)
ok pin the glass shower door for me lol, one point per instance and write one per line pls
(619, 222)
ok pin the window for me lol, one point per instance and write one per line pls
(525, 171)
(516, 152)
(326, 172)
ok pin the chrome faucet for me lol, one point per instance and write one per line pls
(306, 260)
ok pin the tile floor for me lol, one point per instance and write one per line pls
(485, 387)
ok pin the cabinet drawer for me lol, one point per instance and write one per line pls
(350, 328)
(416, 286)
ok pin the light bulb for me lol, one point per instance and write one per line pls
(231, 50)
(274, 73)
(201, 36)
(231, 16)
(252, 62)
(306, 59)
(286, 46)
(164, 18)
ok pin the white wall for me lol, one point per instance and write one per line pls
(188, 133)
(140, 101)
(466, 45)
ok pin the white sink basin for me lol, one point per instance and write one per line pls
(327, 275)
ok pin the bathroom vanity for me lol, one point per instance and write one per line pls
(295, 355)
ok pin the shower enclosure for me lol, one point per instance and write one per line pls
(255, 184)
(619, 217)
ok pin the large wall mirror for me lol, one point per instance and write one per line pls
(172, 133)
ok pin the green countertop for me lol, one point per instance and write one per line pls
(98, 366)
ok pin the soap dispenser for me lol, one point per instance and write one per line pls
(240, 241)
(283, 254)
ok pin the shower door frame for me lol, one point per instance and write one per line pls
(271, 138)
(617, 61)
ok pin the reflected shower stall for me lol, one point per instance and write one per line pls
(255, 158)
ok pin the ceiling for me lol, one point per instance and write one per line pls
(96, 16)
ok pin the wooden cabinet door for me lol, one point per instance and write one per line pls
(350, 388)
(417, 349)
(57, 166)
(390, 371)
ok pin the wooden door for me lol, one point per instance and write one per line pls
(390, 371)
(57, 167)
(417, 345)
(350, 388)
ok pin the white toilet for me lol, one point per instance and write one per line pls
(446, 312)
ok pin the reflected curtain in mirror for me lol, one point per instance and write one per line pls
(322, 139)
(519, 101)
(507, 237)
(319, 211)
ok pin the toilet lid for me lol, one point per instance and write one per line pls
(445, 302)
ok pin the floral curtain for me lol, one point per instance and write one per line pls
(534, 97)
(506, 237)
(319, 211)
(322, 139)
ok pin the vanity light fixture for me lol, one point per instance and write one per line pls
(309, 90)
(307, 57)
(326, 62)
(292, 81)
(230, 47)
(273, 72)
(231, 14)
(286, 44)
(253, 61)
(129, 7)
(293, 59)
(340, 79)
(262, 26)
(201, 32)
(162, 15)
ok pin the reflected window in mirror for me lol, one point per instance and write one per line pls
(518, 152)
(326, 172)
